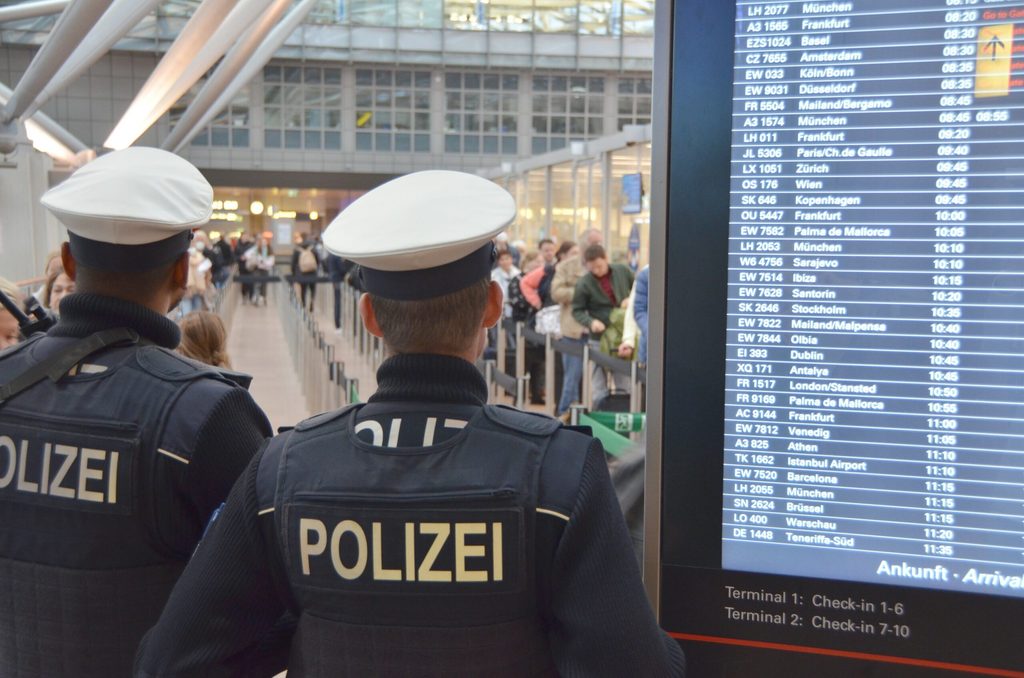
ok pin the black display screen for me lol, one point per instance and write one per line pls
(871, 452)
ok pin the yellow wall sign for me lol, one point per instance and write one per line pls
(995, 52)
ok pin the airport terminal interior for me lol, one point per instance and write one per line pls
(764, 251)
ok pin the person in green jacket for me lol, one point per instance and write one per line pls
(605, 287)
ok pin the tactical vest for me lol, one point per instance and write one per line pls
(83, 571)
(412, 561)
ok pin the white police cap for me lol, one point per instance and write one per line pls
(131, 210)
(424, 234)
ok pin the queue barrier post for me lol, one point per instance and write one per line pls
(551, 389)
(587, 376)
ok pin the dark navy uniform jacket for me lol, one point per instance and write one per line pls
(423, 534)
(108, 476)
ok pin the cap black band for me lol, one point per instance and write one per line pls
(427, 283)
(106, 256)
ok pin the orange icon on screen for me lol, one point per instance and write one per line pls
(992, 71)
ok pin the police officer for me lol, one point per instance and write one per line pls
(425, 533)
(114, 451)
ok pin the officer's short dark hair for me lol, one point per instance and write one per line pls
(446, 324)
(113, 283)
(593, 253)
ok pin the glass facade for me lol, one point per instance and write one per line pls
(481, 113)
(586, 17)
(566, 108)
(392, 110)
(229, 129)
(302, 107)
(634, 101)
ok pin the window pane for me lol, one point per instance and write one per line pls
(333, 119)
(332, 76)
(240, 138)
(577, 125)
(559, 83)
(540, 103)
(452, 143)
(558, 125)
(382, 120)
(558, 103)
(403, 79)
(490, 122)
(382, 142)
(626, 86)
(422, 121)
(453, 80)
(422, 100)
(577, 103)
(510, 82)
(626, 106)
(509, 145)
(643, 107)
(510, 15)
(540, 145)
(293, 117)
(312, 96)
(332, 96)
(272, 74)
(638, 17)
(596, 17)
(490, 144)
(508, 124)
(540, 125)
(465, 15)
(541, 83)
(364, 141)
(201, 139)
(272, 138)
(555, 16)
(492, 81)
(382, 97)
(452, 122)
(272, 94)
(422, 143)
(363, 118)
(595, 84)
(471, 102)
(273, 117)
(313, 118)
(292, 74)
(403, 99)
(314, 75)
(364, 77)
(423, 79)
(312, 139)
(596, 104)
(292, 139)
(643, 86)
(403, 143)
(472, 122)
(471, 81)
(372, 12)
(383, 78)
(332, 141)
(419, 13)
(509, 102)
(557, 143)
(403, 120)
(471, 144)
(595, 126)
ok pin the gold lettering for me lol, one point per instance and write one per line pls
(440, 532)
(44, 477)
(410, 551)
(497, 551)
(85, 474)
(428, 431)
(379, 573)
(24, 485)
(112, 480)
(374, 428)
(463, 551)
(340, 529)
(307, 549)
(393, 431)
(7, 444)
(57, 488)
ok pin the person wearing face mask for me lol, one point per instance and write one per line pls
(124, 448)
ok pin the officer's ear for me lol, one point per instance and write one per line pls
(68, 261)
(369, 316)
(495, 304)
(179, 273)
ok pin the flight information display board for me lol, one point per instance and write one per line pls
(852, 212)
(875, 371)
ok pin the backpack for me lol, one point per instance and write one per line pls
(307, 260)
(521, 308)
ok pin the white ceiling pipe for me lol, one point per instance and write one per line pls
(122, 16)
(236, 59)
(253, 66)
(147, 109)
(31, 10)
(47, 136)
(69, 30)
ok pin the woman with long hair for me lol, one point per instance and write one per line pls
(204, 338)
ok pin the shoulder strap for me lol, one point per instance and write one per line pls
(56, 366)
